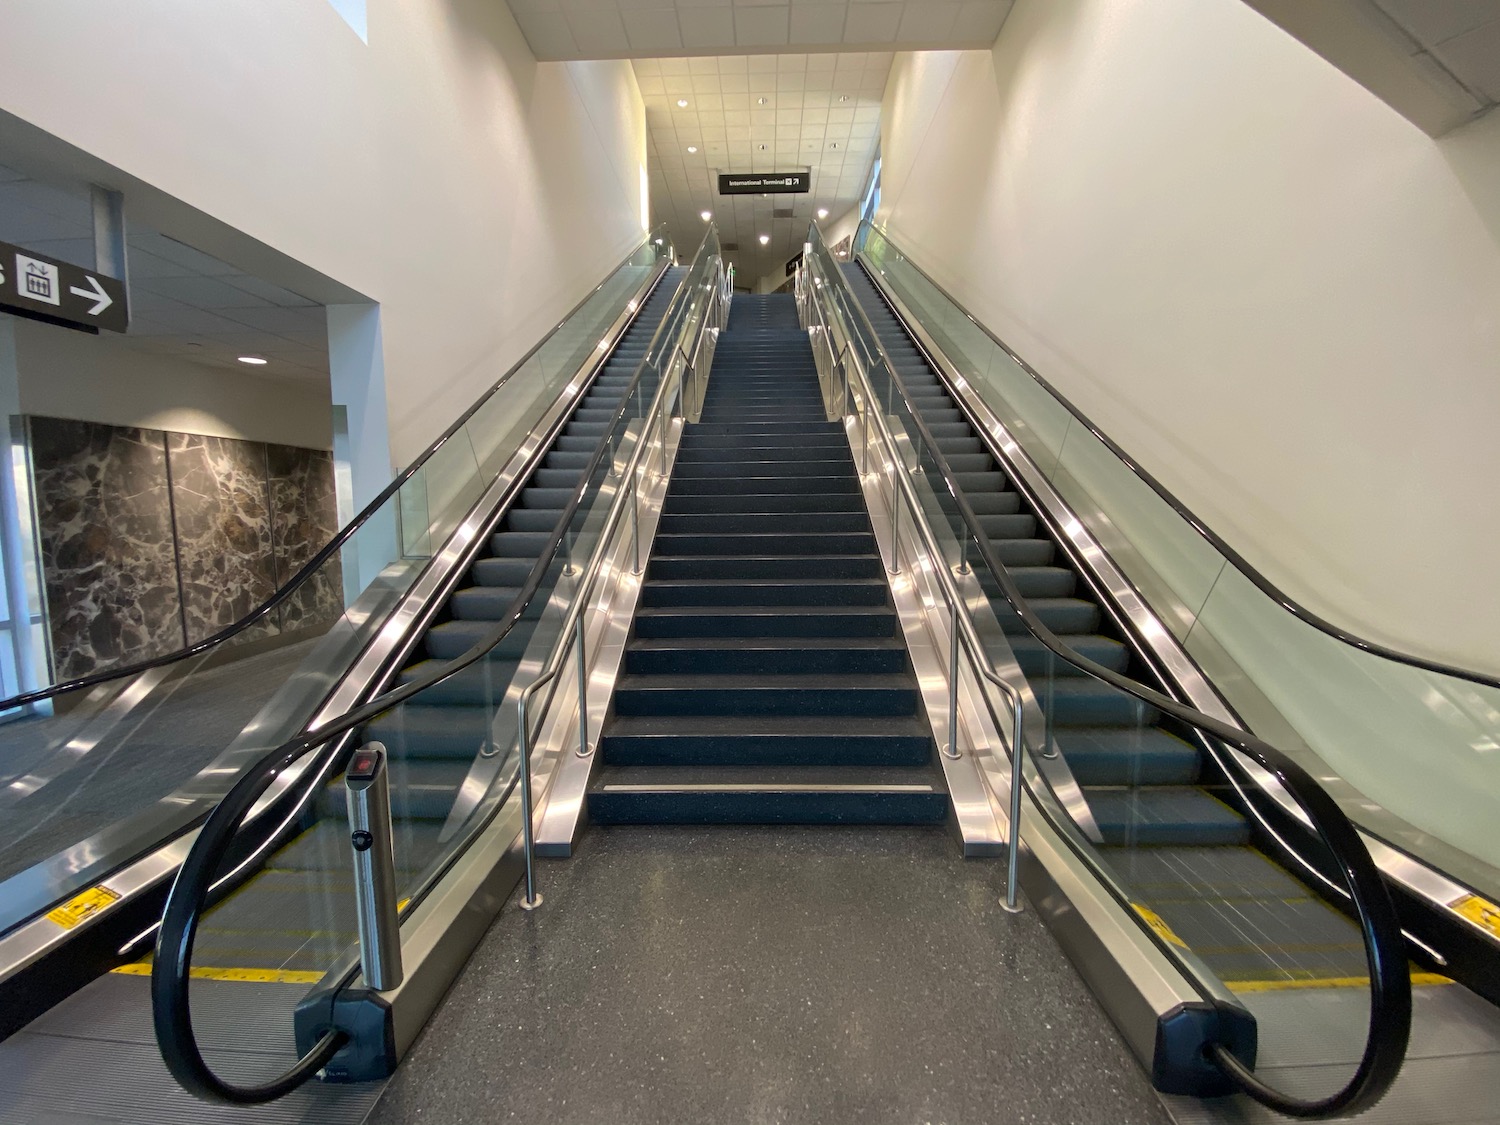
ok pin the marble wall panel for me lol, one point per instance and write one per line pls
(304, 517)
(105, 527)
(221, 507)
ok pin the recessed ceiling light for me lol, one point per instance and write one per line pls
(762, 101)
(254, 360)
(692, 148)
(705, 215)
(765, 239)
(822, 212)
(682, 103)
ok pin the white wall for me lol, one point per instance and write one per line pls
(1279, 295)
(440, 170)
(67, 374)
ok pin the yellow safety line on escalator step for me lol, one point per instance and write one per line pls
(1417, 979)
(255, 976)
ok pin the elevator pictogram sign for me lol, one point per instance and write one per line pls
(42, 286)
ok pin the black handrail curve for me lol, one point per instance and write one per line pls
(343, 536)
(1237, 560)
(171, 968)
(1390, 982)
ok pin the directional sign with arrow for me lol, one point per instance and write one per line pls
(35, 285)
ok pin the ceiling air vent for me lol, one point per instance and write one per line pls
(781, 213)
(729, 247)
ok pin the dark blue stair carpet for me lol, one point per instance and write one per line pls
(766, 680)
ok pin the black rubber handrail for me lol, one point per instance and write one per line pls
(1380, 927)
(314, 564)
(171, 968)
(1237, 560)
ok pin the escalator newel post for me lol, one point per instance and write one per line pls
(368, 797)
(528, 834)
(635, 526)
(953, 751)
(1013, 852)
(895, 526)
(583, 689)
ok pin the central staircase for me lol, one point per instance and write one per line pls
(766, 680)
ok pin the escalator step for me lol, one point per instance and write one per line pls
(1165, 816)
(1108, 756)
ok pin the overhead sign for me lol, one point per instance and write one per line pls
(759, 183)
(41, 286)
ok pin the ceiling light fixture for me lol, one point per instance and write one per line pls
(835, 144)
(761, 101)
(692, 148)
(682, 103)
(765, 239)
(761, 147)
(254, 360)
(822, 212)
(842, 98)
(705, 215)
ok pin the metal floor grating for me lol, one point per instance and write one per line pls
(52, 1075)
(1312, 1039)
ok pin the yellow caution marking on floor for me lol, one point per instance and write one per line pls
(82, 907)
(254, 976)
(1418, 980)
(1480, 911)
(1158, 926)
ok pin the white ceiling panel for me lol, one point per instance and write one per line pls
(820, 112)
(597, 29)
(183, 302)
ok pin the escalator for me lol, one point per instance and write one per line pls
(284, 918)
(1172, 826)
(1243, 870)
(445, 744)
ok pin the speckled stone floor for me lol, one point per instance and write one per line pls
(714, 975)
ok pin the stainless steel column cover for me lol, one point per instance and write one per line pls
(367, 792)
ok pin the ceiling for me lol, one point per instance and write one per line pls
(820, 112)
(1436, 62)
(1462, 36)
(617, 29)
(182, 302)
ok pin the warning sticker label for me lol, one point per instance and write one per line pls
(82, 907)
(1158, 926)
(1480, 911)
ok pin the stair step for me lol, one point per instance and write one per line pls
(730, 621)
(765, 656)
(767, 592)
(807, 543)
(707, 567)
(642, 795)
(766, 740)
(869, 695)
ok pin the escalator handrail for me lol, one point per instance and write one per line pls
(171, 968)
(1237, 560)
(341, 538)
(1390, 983)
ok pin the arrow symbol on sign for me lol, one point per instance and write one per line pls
(95, 293)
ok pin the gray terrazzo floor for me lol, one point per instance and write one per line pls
(701, 975)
